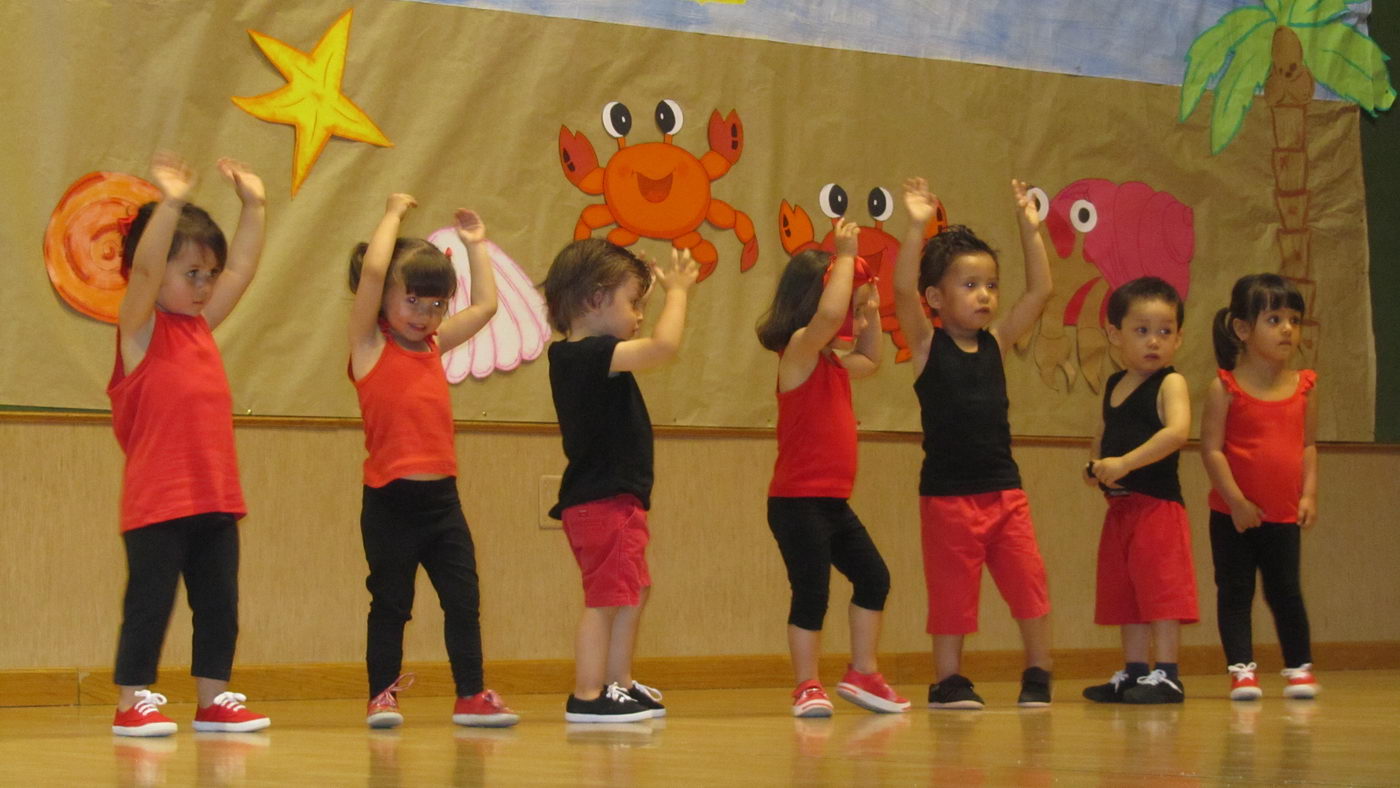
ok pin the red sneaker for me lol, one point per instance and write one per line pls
(227, 714)
(1243, 683)
(142, 719)
(869, 691)
(383, 711)
(1302, 684)
(810, 700)
(485, 709)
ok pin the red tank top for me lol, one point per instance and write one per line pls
(816, 436)
(1264, 446)
(407, 413)
(173, 416)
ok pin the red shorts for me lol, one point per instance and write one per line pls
(962, 532)
(609, 539)
(1145, 568)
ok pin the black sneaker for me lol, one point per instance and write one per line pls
(648, 698)
(1035, 688)
(614, 705)
(1155, 687)
(1112, 692)
(954, 692)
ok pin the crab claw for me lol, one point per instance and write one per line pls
(727, 135)
(794, 228)
(579, 161)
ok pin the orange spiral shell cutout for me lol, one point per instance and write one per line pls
(83, 242)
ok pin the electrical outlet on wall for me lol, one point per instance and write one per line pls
(549, 495)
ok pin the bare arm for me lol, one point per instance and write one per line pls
(134, 317)
(464, 325)
(864, 360)
(638, 354)
(920, 204)
(246, 249)
(1028, 307)
(1307, 505)
(1174, 407)
(807, 343)
(1245, 514)
(366, 342)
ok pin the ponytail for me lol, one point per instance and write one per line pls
(1227, 344)
(1252, 296)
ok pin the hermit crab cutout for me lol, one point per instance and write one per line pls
(83, 241)
(879, 248)
(1120, 232)
(658, 189)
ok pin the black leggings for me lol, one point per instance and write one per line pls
(406, 523)
(203, 548)
(1272, 550)
(815, 534)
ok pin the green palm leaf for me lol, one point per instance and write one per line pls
(1305, 13)
(1212, 49)
(1350, 63)
(1234, 94)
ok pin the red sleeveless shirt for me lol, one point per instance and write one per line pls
(407, 412)
(816, 436)
(1264, 446)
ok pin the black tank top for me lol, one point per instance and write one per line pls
(963, 405)
(1128, 426)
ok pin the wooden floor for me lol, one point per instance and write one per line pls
(1349, 736)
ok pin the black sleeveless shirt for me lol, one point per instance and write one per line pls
(963, 406)
(1128, 426)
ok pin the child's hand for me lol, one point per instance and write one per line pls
(1088, 475)
(1026, 209)
(919, 201)
(470, 228)
(246, 183)
(1307, 511)
(1246, 516)
(681, 274)
(399, 204)
(846, 241)
(173, 176)
(1109, 470)
(872, 303)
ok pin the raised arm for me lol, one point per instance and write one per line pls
(464, 324)
(1243, 511)
(1307, 505)
(665, 340)
(176, 182)
(365, 339)
(247, 246)
(864, 360)
(806, 343)
(919, 204)
(1023, 314)
(1174, 408)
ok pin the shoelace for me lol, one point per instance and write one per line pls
(617, 694)
(387, 697)
(147, 702)
(1157, 677)
(1242, 672)
(492, 699)
(1118, 678)
(1301, 672)
(230, 700)
(650, 692)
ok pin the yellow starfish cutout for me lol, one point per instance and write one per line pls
(311, 100)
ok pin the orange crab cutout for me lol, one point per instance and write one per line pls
(879, 248)
(659, 189)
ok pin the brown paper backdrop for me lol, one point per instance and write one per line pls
(473, 101)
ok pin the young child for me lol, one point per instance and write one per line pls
(816, 467)
(1146, 580)
(172, 414)
(972, 508)
(1257, 444)
(596, 292)
(411, 514)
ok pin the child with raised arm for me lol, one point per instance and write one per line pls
(596, 292)
(1146, 580)
(1257, 442)
(818, 308)
(173, 416)
(411, 514)
(972, 508)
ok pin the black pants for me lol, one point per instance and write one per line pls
(203, 548)
(1272, 550)
(815, 534)
(404, 524)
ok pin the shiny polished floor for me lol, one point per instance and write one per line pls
(1349, 736)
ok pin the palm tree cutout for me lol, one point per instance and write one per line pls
(1285, 46)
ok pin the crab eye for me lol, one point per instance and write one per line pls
(881, 203)
(617, 119)
(833, 201)
(1042, 201)
(669, 117)
(1083, 215)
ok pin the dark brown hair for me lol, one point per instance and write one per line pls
(796, 299)
(942, 249)
(194, 226)
(1144, 288)
(1252, 295)
(583, 271)
(422, 268)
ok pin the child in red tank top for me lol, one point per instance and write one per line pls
(1257, 443)
(172, 414)
(808, 511)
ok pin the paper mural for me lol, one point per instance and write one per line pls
(83, 242)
